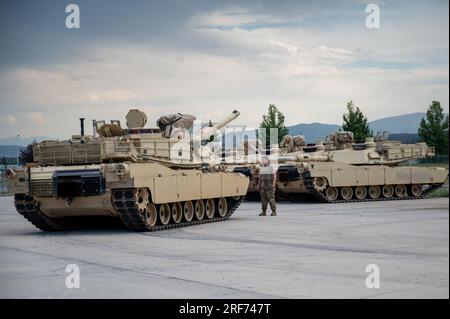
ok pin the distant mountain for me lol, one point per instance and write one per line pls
(401, 127)
(23, 141)
(407, 123)
(405, 138)
(313, 131)
(9, 151)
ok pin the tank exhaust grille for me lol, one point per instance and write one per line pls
(42, 188)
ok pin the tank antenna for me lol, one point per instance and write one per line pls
(94, 131)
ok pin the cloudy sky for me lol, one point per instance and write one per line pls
(209, 57)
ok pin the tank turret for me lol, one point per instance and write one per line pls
(172, 142)
(371, 152)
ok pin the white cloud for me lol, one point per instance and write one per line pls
(224, 65)
(35, 117)
(11, 119)
(334, 54)
(233, 17)
(112, 96)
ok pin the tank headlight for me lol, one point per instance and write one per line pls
(10, 173)
(121, 169)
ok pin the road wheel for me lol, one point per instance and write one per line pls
(346, 193)
(164, 214)
(210, 208)
(360, 192)
(188, 211)
(199, 209)
(416, 190)
(151, 216)
(177, 212)
(374, 191)
(331, 193)
(388, 191)
(400, 191)
(222, 207)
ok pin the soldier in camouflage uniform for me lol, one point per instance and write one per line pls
(266, 185)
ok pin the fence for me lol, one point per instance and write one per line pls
(3, 188)
(439, 160)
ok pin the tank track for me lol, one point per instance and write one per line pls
(28, 208)
(126, 206)
(321, 196)
(297, 197)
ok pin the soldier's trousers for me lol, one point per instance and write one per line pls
(267, 196)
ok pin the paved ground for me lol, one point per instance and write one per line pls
(308, 251)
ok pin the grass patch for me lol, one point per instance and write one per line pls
(442, 192)
(444, 165)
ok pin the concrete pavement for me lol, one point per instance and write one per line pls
(308, 251)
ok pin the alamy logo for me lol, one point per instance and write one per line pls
(73, 19)
(373, 19)
(373, 279)
(73, 279)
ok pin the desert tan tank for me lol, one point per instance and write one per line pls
(246, 161)
(341, 170)
(151, 178)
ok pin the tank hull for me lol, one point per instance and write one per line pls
(150, 193)
(99, 205)
(338, 182)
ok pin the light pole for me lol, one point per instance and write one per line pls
(17, 150)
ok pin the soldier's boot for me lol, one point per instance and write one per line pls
(262, 214)
(273, 207)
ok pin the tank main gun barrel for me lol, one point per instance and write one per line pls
(207, 133)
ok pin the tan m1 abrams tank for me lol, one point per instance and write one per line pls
(246, 161)
(147, 177)
(343, 171)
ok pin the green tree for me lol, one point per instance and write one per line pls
(356, 122)
(273, 119)
(434, 130)
(26, 154)
(4, 163)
